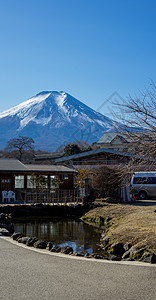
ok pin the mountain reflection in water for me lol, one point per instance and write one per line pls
(80, 236)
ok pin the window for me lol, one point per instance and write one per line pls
(19, 182)
(152, 180)
(34, 181)
(140, 180)
(31, 182)
(144, 180)
(44, 181)
(65, 177)
(54, 182)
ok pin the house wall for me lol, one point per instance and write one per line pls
(100, 159)
(7, 181)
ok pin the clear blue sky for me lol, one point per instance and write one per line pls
(88, 48)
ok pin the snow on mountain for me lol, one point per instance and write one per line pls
(26, 111)
(51, 119)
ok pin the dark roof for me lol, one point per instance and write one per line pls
(98, 151)
(11, 165)
(48, 155)
(15, 165)
(89, 153)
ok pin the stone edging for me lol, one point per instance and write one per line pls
(61, 255)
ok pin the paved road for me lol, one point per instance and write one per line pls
(26, 274)
(151, 202)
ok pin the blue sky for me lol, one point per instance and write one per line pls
(87, 48)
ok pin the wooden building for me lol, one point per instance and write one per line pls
(119, 141)
(17, 177)
(94, 159)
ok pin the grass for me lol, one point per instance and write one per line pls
(129, 223)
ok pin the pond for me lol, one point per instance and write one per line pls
(63, 232)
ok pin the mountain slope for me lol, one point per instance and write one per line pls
(51, 119)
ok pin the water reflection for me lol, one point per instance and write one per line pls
(80, 236)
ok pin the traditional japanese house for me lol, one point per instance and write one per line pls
(17, 177)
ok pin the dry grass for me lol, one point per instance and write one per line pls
(133, 224)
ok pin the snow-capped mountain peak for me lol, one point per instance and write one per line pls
(52, 118)
(24, 105)
(27, 110)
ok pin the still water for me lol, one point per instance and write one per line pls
(75, 233)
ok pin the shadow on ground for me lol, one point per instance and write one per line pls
(144, 202)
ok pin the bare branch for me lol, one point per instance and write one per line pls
(21, 144)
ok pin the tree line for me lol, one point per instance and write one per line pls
(22, 148)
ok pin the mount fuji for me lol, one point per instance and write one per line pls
(51, 119)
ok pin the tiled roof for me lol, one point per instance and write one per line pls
(49, 168)
(48, 155)
(11, 165)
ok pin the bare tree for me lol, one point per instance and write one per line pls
(138, 115)
(20, 144)
(106, 181)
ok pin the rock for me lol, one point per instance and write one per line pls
(16, 235)
(117, 249)
(115, 258)
(78, 254)
(4, 232)
(136, 253)
(40, 244)
(128, 259)
(75, 253)
(49, 246)
(149, 258)
(66, 250)
(108, 219)
(87, 255)
(126, 254)
(100, 220)
(31, 241)
(127, 246)
(55, 249)
(98, 256)
(23, 239)
(105, 240)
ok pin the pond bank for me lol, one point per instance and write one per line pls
(42, 210)
(129, 231)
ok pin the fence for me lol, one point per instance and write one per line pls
(53, 196)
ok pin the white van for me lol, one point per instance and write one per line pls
(143, 185)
